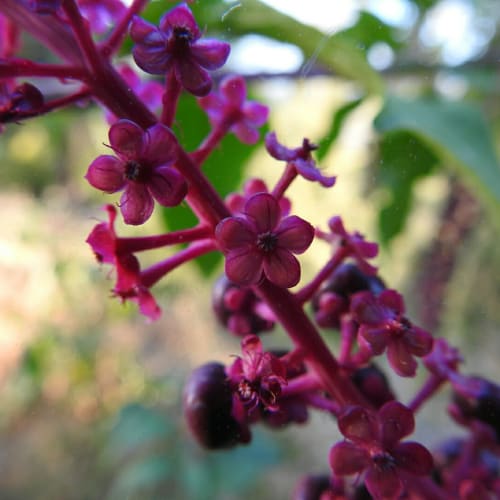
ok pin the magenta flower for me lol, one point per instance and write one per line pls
(373, 447)
(176, 46)
(142, 169)
(44, 6)
(229, 106)
(300, 158)
(129, 286)
(383, 325)
(19, 102)
(259, 243)
(258, 376)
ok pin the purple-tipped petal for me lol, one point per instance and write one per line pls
(192, 77)
(235, 233)
(143, 32)
(211, 54)
(153, 60)
(419, 342)
(282, 268)
(278, 151)
(136, 204)
(295, 234)
(347, 458)
(245, 133)
(366, 310)
(397, 421)
(244, 267)
(127, 139)
(392, 300)
(160, 145)
(308, 170)
(180, 16)
(383, 482)
(256, 113)
(401, 360)
(414, 458)
(377, 338)
(359, 425)
(167, 186)
(234, 90)
(264, 209)
(106, 173)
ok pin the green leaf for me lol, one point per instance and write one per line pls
(403, 159)
(335, 127)
(457, 133)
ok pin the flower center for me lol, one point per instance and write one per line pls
(267, 241)
(383, 461)
(133, 170)
(182, 36)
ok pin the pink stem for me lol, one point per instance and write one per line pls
(322, 403)
(131, 245)
(170, 98)
(115, 39)
(348, 334)
(288, 176)
(432, 384)
(24, 67)
(301, 385)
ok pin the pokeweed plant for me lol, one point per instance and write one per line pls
(259, 238)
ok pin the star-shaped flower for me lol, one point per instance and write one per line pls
(177, 46)
(373, 447)
(261, 243)
(142, 168)
(383, 325)
(230, 104)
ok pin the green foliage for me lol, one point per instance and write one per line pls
(403, 159)
(458, 134)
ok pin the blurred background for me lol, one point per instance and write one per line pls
(402, 97)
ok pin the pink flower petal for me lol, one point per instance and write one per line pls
(383, 482)
(264, 210)
(347, 458)
(392, 300)
(143, 32)
(396, 422)
(136, 204)
(180, 17)
(167, 186)
(160, 145)
(308, 170)
(418, 341)
(244, 267)
(127, 139)
(376, 337)
(192, 77)
(235, 233)
(153, 59)
(245, 133)
(256, 113)
(278, 151)
(234, 90)
(400, 358)
(211, 54)
(413, 457)
(106, 173)
(359, 425)
(282, 268)
(366, 309)
(147, 304)
(295, 234)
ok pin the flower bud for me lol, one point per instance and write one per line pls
(208, 408)
(311, 487)
(373, 384)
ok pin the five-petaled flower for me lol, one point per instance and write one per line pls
(257, 376)
(176, 46)
(105, 245)
(142, 169)
(259, 243)
(228, 106)
(383, 325)
(373, 446)
(300, 158)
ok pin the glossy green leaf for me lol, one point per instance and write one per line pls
(457, 132)
(403, 159)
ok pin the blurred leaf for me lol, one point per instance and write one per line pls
(369, 30)
(224, 167)
(457, 132)
(403, 159)
(140, 480)
(137, 427)
(38, 356)
(334, 52)
(336, 124)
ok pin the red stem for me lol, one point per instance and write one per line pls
(288, 176)
(432, 384)
(24, 67)
(170, 98)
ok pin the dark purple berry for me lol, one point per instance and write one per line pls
(311, 487)
(208, 404)
(235, 307)
(332, 300)
(373, 384)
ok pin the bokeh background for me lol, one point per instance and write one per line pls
(402, 98)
